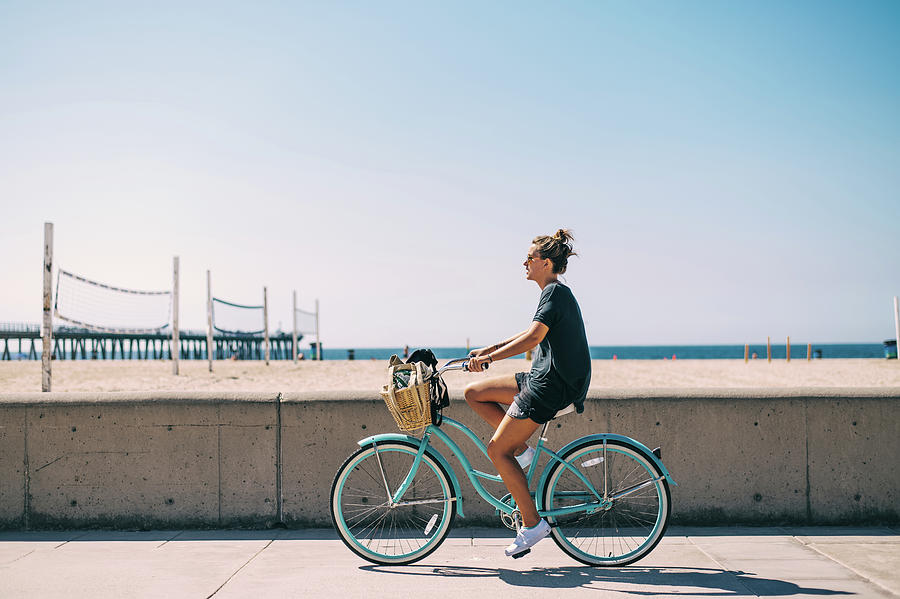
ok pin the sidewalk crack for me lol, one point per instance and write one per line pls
(851, 569)
(722, 567)
(75, 538)
(12, 561)
(180, 532)
(227, 580)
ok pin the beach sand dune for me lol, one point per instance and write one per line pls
(366, 375)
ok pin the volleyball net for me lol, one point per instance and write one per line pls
(307, 322)
(237, 319)
(105, 308)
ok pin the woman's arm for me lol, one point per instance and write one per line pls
(511, 347)
(486, 350)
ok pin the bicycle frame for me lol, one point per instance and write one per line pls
(475, 475)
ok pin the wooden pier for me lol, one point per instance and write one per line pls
(23, 341)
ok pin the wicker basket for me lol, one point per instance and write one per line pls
(410, 406)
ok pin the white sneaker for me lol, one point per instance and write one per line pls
(525, 457)
(528, 538)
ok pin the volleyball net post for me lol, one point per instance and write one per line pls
(47, 322)
(897, 327)
(209, 321)
(175, 349)
(294, 334)
(266, 321)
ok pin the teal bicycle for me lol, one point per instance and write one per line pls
(605, 496)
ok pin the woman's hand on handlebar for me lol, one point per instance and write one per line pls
(480, 352)
(477, 363)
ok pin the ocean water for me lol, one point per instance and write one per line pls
(623, 352)
(649, 352)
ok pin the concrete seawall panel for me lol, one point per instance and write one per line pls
(854, 450)
(12, 467)
(132, 461)
(164, 460)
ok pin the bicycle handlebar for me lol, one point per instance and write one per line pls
(457, 364)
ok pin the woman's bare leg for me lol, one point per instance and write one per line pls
(489, 398)
(510, 436)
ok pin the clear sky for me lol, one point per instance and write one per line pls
(730, 170)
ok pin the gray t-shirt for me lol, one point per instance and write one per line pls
(561, 370)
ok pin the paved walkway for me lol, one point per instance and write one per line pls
(689, 562)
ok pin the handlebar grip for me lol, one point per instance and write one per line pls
(465, 366)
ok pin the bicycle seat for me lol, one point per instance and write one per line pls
(566, 410)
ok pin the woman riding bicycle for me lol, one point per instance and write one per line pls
(559, 376)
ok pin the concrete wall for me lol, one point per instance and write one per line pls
(131, 460)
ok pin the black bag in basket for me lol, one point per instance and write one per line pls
(440, 397)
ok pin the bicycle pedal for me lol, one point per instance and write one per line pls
(521, 554)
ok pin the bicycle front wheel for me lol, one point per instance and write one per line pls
(629, 520)
(378, 530)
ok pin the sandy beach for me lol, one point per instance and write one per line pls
(370, 375)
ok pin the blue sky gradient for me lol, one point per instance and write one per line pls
(730, 170)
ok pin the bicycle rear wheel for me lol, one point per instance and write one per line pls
(620, 530)
(366, 521)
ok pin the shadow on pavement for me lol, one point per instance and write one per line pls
(718, 582)
(279, 533)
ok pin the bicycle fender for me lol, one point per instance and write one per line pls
(614, 437)
(457, 489)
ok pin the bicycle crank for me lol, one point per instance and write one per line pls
(509, 520)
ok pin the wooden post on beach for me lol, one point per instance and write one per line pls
(175, 348)
(746, 353)
(897, 326)
(47, 327)
(769, 349)
(809, 352)
(318, 337)
(789, 348)
(209, 321)
(266, 321)
(294, 336)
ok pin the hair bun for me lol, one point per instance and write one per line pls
(564, 236)
(557, 248)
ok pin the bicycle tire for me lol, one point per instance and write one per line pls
(374, 530)
(630, 527)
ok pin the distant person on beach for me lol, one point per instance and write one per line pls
(405, 352)
(515, 405)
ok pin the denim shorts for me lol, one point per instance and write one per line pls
(526, 405)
